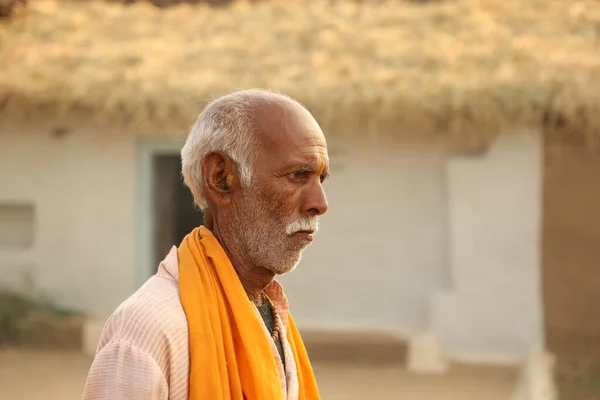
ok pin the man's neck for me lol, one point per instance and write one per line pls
(254, 278)
(254, 283)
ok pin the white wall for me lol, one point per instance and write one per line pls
(381, 251)
(494, 311)
(82, 186)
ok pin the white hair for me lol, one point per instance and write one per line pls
(225, 126)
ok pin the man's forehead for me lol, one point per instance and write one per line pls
(315, 155)
(292, 149)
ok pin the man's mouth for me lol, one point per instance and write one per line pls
(305, 234)
(303, 227)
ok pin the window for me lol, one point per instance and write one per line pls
(16, 225)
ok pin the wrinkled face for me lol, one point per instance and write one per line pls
(277, 215)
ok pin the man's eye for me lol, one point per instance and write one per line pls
(300, 174)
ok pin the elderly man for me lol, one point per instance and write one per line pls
(213, 323)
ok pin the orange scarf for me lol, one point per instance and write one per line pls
(230, 355)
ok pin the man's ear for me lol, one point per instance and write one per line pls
(218, 173)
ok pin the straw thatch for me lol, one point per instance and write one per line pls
(460, 68)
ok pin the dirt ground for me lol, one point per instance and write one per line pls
(37, 375)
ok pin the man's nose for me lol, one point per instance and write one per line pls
(315, 202)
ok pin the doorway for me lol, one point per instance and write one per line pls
(173, 209)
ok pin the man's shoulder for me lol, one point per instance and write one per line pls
(152, 319)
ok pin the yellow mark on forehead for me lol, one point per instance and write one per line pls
(322, 164)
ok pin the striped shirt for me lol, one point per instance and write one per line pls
(143, 353)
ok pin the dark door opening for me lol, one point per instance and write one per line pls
(174, 212)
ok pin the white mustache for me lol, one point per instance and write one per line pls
(306, 224)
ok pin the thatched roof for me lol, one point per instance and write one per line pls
(453, 67)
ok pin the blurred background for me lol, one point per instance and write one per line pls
(460, 257)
